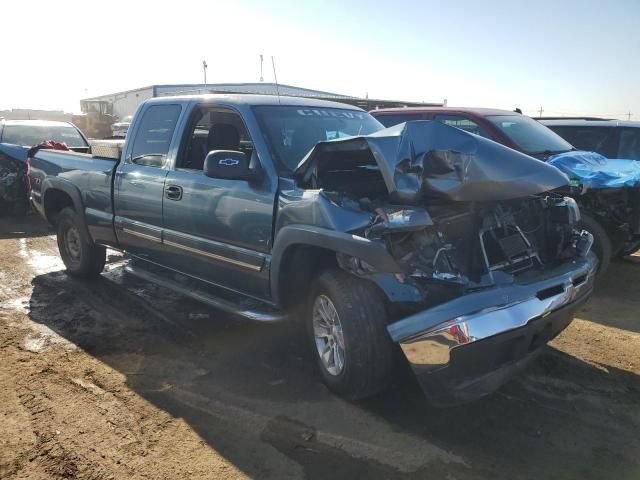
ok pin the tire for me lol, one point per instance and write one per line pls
(628, 249)
(80, 255)
(601, 243)
(368, 350)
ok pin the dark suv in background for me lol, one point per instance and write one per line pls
(612, 215)
(611, 138)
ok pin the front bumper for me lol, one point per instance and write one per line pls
(468, 347)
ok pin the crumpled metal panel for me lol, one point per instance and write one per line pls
(13, 173)
(312, 207)
(596, 171)
(427, 159)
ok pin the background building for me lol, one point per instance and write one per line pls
(125, 103)
(31, 114)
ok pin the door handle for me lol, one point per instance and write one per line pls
(173, 192)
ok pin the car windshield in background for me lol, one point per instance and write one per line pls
(629, 143)
(30, 135)
(529, 135)
(293, 131)
(395, 119)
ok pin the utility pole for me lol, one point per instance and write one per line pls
(204, 69)
(629, 116)
(540, 111)
(261, 61)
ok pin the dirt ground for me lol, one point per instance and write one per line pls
(118, 378)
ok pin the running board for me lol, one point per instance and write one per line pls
(244, 307)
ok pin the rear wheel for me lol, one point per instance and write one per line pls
(601, 243)
(347, 323)
(80, 255)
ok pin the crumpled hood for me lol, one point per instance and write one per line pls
(596, 171)
(427, 159)
(13, 173)
(15, 152)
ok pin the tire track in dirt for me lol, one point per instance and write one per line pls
(121, 381)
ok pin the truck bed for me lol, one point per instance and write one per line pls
(86, 178)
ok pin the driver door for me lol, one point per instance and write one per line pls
(218, 230)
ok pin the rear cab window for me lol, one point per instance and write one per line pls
(153, 136)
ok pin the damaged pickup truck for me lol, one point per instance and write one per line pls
(375, 238)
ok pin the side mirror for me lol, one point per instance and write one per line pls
(228, 164)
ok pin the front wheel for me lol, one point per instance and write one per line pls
(80, 255)
(601, 242)
(347, 323)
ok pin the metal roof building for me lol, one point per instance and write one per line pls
(125, 103)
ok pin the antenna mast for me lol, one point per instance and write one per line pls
(204, 69)
(273, 64)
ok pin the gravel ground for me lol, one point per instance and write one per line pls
(118, 378)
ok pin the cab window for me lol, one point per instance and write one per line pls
(214, 128)
(153, 136)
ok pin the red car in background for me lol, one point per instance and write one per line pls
(512, 129)
(611, 215)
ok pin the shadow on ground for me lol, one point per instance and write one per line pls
(250, 391)
(23, 226)
(616, 300)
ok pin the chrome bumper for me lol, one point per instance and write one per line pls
(428, 338)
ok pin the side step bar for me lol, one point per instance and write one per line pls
(244, 307)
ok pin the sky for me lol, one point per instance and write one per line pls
(567, 57)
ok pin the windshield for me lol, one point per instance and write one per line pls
(30, 135)
(529, 135)
(292, 131)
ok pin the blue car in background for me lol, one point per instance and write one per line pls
(16, 138)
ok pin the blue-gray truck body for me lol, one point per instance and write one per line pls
(466, 317)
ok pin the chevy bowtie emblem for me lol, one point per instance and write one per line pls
(228, 161)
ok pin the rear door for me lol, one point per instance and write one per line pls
(139, 182)
(218, 230)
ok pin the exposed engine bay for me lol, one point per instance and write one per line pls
(473, 245)
(455, 219)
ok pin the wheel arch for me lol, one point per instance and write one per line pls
(58, 194)
(300, 251)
